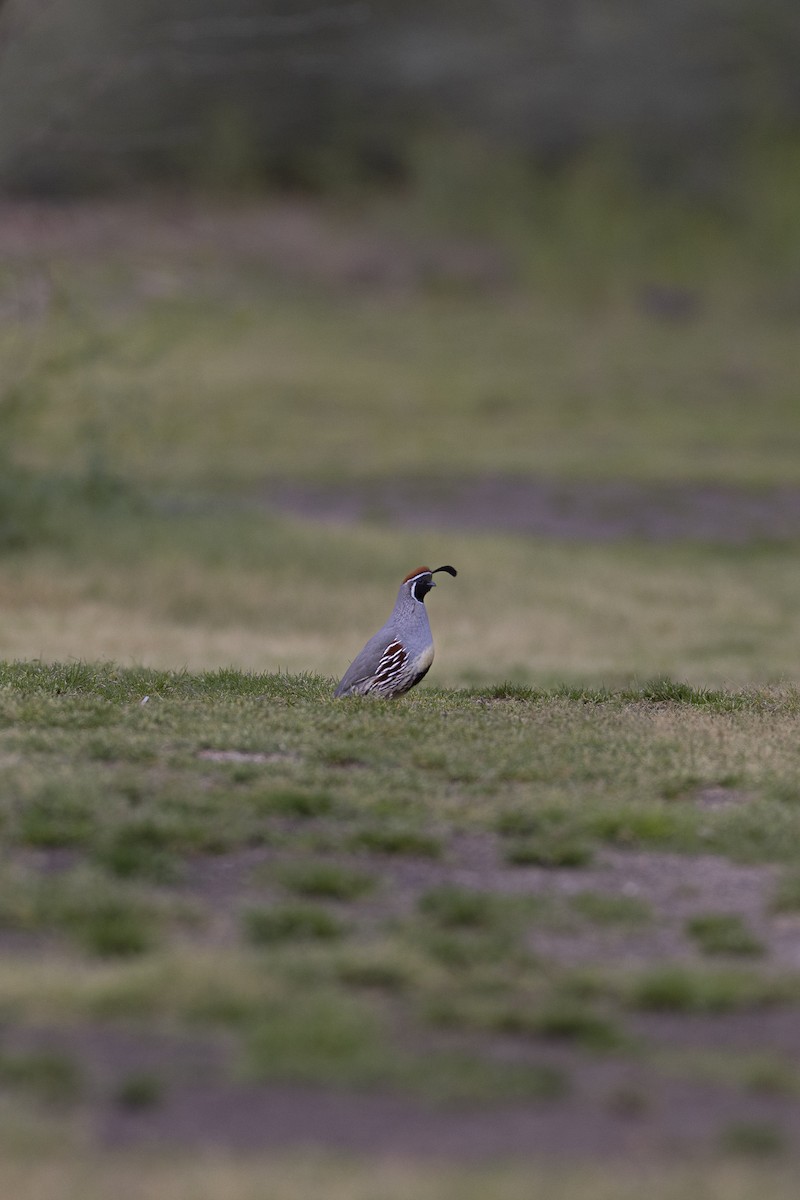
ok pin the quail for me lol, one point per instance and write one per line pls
(401, 652)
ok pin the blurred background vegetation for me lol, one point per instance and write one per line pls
(352, 243)
(697, 101)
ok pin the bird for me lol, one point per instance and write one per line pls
(400, 654)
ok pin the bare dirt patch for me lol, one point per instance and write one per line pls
(244, 756)
(295, 239)
(675, 1117)
(594, 511)
(718, 797)
(616, 1107)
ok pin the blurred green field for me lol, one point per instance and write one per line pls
(200, 359)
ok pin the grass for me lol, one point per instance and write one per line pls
(139, 1090)
(560, 1020)
(326, 880)
(154, 548)
(771, 1077)
(762, 1138)
(115, 928)
(51, 1077)
(385, 967)
(102, 919)
(595, 770)
(787, 893)
(603, 373)
(608, 909)
(679, 988)
(67, 1173)
(556, 850)
(457, 908)
(724, 934)
(447, 956)
(238, 587)
(246, 934)
(296, 803)
(265, 926)
(326, 1037)
(54, 818)
(195, 839)
(138, 850)
(578, 1024)
(397, 839)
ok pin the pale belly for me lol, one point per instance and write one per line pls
(422, 662)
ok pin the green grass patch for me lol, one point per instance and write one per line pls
(295, 803)
(771, 1077)
(59, 815)
(324, 1036)
(139, 1091)
(452, 1078)
(556, 850)
(48, 1076)
(604, 908)
(565, 1021)
(326, 880)
(465, 931)
(102, 920)
(543, 836)
(139, 849)
(113, 928)
(787, 893)
(459, 908)
(380, 967)
(392, 839)
(724, 934)
(684, 988)
(289, 923)
(753, 1139)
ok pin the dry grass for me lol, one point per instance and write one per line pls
(283, 595)
(74, 1176)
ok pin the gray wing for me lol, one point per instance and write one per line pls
(362, 670)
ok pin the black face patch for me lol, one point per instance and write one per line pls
(421, 588)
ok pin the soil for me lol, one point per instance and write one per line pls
(616, 1106)
(296, 239)
(619, 1110)
(592, 511)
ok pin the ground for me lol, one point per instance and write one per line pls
(239, 913)
(545, 908)
(545, 508)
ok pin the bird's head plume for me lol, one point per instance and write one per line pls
(420, 582)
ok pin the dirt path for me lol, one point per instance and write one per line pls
(593, 511)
